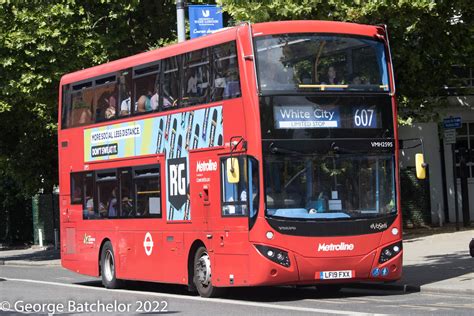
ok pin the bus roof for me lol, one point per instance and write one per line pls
(150, 56)
(228, 34)
(279, 27)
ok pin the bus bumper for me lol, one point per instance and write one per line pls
(314, 270)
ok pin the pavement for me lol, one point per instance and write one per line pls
(30, 256)
(439, 263)
(434, 261)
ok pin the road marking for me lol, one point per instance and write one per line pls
(369, 299)
(202, 299)
(419, 307)
(65, 278)
(457, 295)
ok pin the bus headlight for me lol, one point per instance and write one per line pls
(390, 251)
(274, 254)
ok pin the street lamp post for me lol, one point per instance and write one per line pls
(180, 4)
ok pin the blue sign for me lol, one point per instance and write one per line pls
(204, 19)
(375, 272)
(452, 122)
(306, 116)
(384, 271)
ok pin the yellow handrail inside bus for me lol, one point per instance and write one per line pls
(148, 192)
(323, 86)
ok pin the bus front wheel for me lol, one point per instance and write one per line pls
(107, 267)
(203, 275)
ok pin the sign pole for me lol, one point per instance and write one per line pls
(450, 125)
(456, 208)
(180, 4)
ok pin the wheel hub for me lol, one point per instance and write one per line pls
(109, 267)
(203, 269)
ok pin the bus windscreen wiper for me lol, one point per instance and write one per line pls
(280, 150)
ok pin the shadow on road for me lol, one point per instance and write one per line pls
(36, 256)
(437, 268)
(259, 294)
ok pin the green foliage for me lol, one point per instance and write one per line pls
(41, 41)
(427, 38)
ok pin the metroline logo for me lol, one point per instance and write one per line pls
(336, 247)
(202, 166)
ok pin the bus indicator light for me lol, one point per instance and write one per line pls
(274, 254)
(269, 235)
(389, 252)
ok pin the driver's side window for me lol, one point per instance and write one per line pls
(235, 195)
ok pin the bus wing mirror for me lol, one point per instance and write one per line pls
(420, 166)
(232, 170)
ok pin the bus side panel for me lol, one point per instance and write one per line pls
(126, 254)
(93, 234)
(174, 257)
(231, 270)
(231, 266)
(88, 246)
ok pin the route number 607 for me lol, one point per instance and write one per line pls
(364, 118)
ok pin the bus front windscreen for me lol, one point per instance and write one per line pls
(331, 186)
(310, 62)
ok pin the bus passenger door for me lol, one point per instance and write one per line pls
(230, 222)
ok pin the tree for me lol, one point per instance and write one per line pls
(427, 37)
(43, 40)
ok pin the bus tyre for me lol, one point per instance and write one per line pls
(107, 267)
(202, 274)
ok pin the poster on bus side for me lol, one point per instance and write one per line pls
(172, 135)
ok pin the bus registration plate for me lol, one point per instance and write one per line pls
(334, 275)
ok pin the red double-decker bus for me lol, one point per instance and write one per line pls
(263, 154)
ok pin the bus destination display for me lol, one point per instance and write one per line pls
(323, 116)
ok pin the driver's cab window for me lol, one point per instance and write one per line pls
(234, 195)
(240, 195)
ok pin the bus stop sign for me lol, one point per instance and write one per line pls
(204, 19)
(452, 122)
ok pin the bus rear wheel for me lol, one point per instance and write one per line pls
(107, 267)
(203, 275)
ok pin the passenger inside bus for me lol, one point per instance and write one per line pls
(125, 105)
(112, 204)
(89, 207)
(81, 113)
(192, 85)
(332, 76)
(144, 103)
(127, 207)
(155, 99)
(111, 106)
(77, 195)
